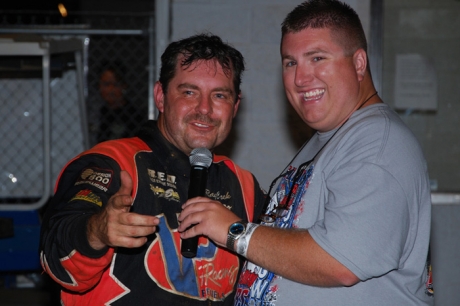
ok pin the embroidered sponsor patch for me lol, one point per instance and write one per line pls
(218, 196)
(162, 178)
(163, 185)
(168, 193)
(88, 196)
(99, 178)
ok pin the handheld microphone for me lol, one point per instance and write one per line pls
(200, 160)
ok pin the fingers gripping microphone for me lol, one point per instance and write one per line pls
(200, 160)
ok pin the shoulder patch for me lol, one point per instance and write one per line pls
(88, 196)
(99, 178)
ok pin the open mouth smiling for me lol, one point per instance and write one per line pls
(313, 94)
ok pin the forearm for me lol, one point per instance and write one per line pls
(294, 254)
(67, 257)
(290, 253)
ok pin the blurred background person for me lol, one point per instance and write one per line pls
(119, 117)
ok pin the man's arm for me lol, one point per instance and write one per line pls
(78, 235)
(291, 253)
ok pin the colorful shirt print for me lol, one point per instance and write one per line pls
(254, 286)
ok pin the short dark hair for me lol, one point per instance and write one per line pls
(201, 47)
(116, 67)
(338, 16)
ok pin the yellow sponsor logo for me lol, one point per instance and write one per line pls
(169, 194)
(88, 196)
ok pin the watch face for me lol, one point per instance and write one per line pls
(236, 228)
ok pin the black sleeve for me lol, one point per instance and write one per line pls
(83, 189)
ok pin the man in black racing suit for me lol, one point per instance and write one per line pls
(110, 234)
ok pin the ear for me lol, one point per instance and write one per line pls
(159, 96)
(360, 62)
(237, 104)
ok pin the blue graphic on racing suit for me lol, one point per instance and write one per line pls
(181, 270)
(254, 284)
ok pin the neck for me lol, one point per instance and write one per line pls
(369, 100)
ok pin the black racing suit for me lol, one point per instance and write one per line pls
(156, 273)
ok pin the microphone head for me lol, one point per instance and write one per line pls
(200, 157)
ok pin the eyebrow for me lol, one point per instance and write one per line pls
(313, 52)
(224, 89)
(187, 85)
(305, 54)
(290, 57)
(192, 86)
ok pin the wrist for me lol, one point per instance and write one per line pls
(88, 245)
(94, 241)
(242, 243)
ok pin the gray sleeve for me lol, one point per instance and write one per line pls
(366, 219)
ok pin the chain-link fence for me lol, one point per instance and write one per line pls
(116, 65)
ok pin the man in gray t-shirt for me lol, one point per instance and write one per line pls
(349, 221)
(365, 200)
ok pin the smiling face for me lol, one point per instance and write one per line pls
(321, 82)
(199, 106)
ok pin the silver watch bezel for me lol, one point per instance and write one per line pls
(232, 237)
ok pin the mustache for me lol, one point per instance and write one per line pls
(201, 118)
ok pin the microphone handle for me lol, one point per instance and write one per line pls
(197, 185)
(197, 188)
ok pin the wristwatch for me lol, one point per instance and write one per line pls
(234, 232)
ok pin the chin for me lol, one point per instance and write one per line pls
(203, 144)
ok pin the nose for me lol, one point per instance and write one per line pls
(303, 75)
(204, 105)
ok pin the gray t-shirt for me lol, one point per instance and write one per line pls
(365, 200)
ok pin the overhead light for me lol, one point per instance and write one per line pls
(62, 10)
